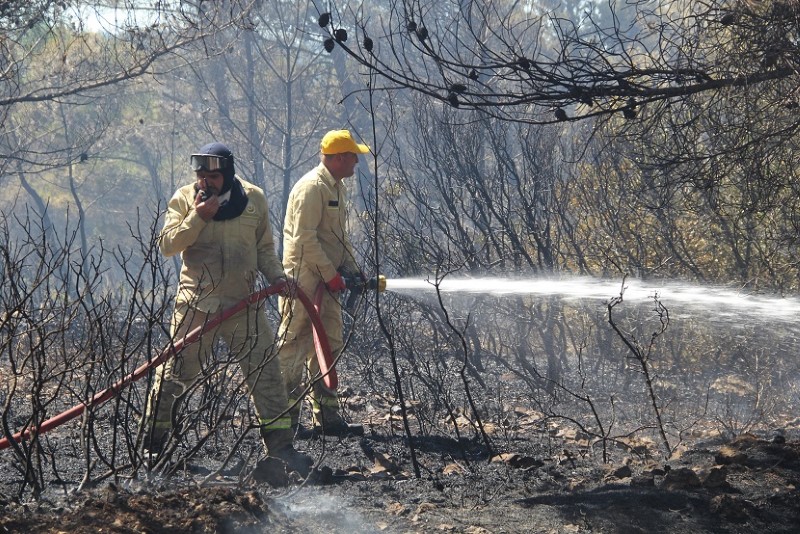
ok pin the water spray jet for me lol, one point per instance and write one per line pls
(719, 301)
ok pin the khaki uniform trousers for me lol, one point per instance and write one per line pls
(249, 338)
(298, 357)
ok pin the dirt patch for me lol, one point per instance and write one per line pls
(747, 485)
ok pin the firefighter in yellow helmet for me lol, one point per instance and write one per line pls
(316, 249)
(219, 224)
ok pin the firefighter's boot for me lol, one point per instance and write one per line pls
(156, 438)
(279, 446)
(328, 421)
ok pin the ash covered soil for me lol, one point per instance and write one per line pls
(368, 484)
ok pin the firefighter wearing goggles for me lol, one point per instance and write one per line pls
(220, 226)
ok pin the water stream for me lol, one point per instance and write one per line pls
(686, 300)
(729, 354)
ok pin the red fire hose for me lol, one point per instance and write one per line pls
(320, 342)
(324, 357)
(356, 285)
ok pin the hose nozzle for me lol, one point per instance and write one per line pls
(357, 286)
(377, 283)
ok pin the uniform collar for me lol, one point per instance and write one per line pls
(327, 177)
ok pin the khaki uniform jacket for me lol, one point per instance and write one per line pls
(221, 259)
(314, 232)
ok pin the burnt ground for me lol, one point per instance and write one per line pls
(368, 485)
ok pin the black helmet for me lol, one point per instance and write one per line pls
(215, 157)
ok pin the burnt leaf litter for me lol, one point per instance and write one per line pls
(530, 483)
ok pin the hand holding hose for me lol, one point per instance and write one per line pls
(336, 283)
(289, 289)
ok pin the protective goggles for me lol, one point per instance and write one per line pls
(208, 163)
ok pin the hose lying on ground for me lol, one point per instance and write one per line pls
(320, 341)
